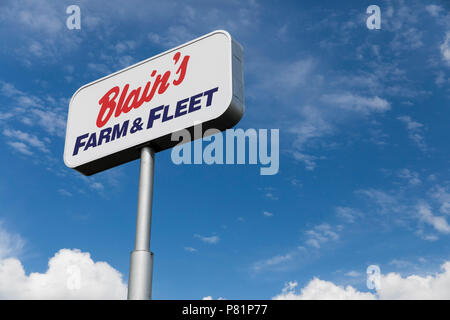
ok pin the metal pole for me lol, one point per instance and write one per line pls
(141, 262)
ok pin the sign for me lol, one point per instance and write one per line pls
(111, 119)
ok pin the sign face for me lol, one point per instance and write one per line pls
(110, 119)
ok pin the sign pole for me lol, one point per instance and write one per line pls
(141, 261)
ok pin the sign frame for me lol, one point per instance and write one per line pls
(230, 117)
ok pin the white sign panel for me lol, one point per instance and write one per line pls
(111, 118)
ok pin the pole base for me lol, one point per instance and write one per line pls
(140, 279)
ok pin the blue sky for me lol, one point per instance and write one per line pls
(364, 156)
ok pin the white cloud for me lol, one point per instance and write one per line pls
(320, 121)
(125, 46)
(40, 30)
(97, 186)
(353, 274)
(175, 35)
(20, 147)
(392, 287)
(411, 176)
(99, 68)
(9, 90)
(10, 244)
(387, 203)
(441, 79)
(437, 222)
(414, 131)
(292, 75)
(434, 10)
(64, 192)
(269, 194)
(276, 262)
(402, 264)
(308, 160)
(125, 61)
(154, 37)
(401, 207)
(33, 110)
(27, 138)
(445, 49)
(211, 298)
(311, 127)
(71, 274)
(54, 122)
(356, 103)
(267, 214)
(443, 197)
(6, 115)
(210, 240)
(321, 234)
(190, 249)
(409, 38)
(348, 214)
(436, 286)
(429, 237)
(42, 19)
(318, 289)
(410, 124)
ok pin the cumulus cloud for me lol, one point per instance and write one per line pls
(211, 298)
(435, 286)
(318, 289)
(71, 274)
(392, 286)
